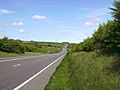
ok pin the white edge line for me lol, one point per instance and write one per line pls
(21, 85)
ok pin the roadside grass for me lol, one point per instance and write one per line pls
(61, 78)
(85, 71)
(90, 72)
(5, 54)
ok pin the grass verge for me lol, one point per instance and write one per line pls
(61, 78)
(85, 71)
(4, 54)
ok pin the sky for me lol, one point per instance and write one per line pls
(52, 20)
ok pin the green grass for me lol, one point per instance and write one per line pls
(61, 79)
(4, 54)
(89, 72)
(86, 71)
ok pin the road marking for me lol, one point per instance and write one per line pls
(15, 59)
(16, 65)
(21, 85)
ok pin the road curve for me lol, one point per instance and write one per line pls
(16, 70)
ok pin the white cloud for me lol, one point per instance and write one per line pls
(93, 21)
(21, 30)
(89, 23)
(18, 24)
(6, 11)
(94, 17)
(38, 17)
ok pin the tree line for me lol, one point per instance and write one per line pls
(17, 46)
(20, 47)
(107, 36)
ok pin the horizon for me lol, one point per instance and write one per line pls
(55, 21)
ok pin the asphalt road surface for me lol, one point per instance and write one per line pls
(16, 70)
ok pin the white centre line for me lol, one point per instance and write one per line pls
(17, 65)
(15, 59)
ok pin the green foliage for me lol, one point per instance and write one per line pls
(14, 46)
(116, 10)
(20, 47)
(85, 71)
(87, 45)
(61, 79)
(73, 48)
(5, 54)
(89, 72)
(107, 36)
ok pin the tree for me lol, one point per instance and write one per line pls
(107, 35)
(116, 10)
(99, 35)
(86, 45)
(115, 34)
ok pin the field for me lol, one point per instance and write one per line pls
(10, 48)
(50, 47)
(86, 71)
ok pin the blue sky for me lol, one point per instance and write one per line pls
(52, 20)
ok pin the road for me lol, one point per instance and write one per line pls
(16, 70)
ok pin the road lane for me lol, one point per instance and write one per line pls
(18, 58)
(15, 72)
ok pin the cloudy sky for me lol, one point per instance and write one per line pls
(52, 20)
